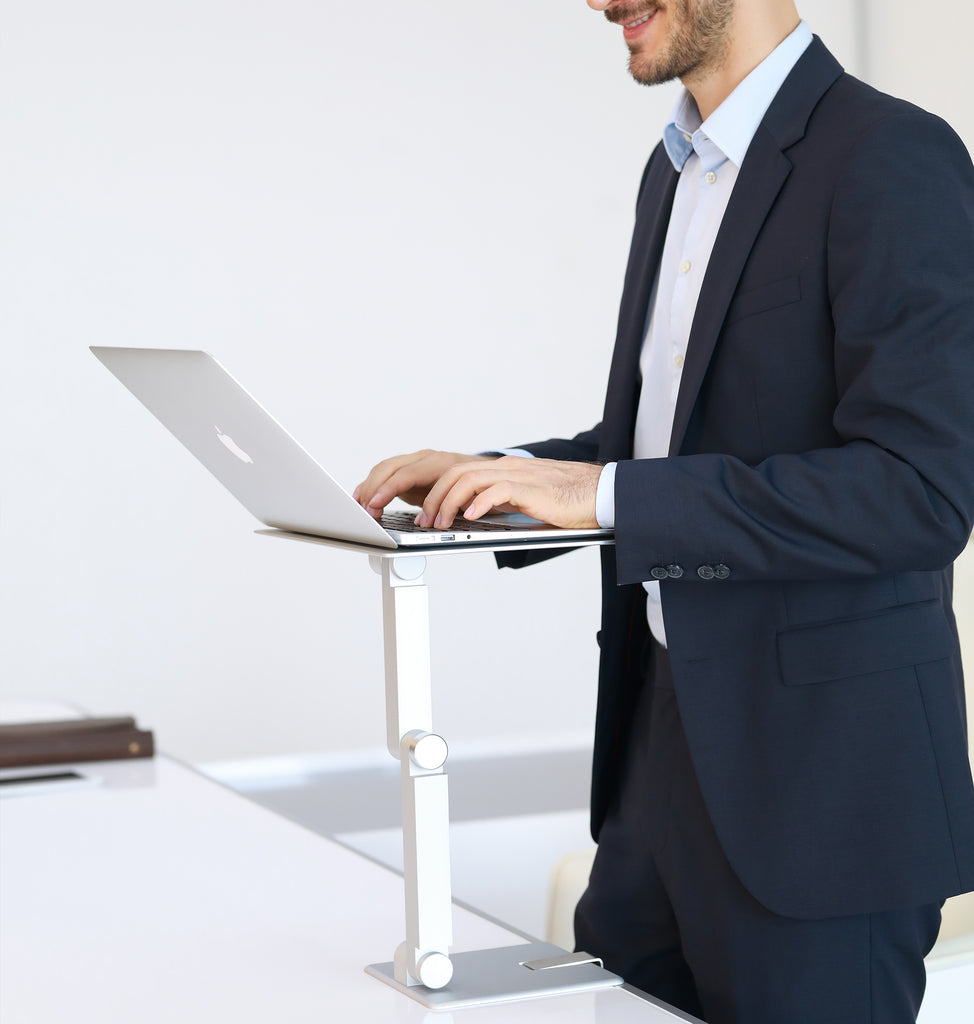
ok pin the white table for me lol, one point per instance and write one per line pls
(158, 895)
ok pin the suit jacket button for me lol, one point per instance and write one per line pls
(706, 572)
(721, 572)
(674, 571)
(658, 572)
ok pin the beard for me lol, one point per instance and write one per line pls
(699, 36)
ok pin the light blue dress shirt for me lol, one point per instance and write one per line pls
(708, 155)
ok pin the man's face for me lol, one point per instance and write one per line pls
(669, 39)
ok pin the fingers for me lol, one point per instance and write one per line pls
(409, 477)
(452, 493)
(561, 493)
(380, 486)
(396, 477)
(448, 484)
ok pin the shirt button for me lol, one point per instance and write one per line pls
(678, 361)
(685, 267)
(711, 177)
(686, 137)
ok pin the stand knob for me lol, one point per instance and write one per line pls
(427, 750)
(434, 970)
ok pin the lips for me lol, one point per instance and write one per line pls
(633, 18)
(638, 22)
(634, 27)
(633, 15)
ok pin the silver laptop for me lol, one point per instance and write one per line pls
(270, 474)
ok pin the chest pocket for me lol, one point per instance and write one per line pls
(773, 295)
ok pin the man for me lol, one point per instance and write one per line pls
(781, 793)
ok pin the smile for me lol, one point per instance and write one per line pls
(640, 21)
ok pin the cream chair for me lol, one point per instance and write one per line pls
(567, 882)
(955, 944)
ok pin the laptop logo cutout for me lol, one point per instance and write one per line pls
(228, 442)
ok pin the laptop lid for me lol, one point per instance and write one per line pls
(263, 466)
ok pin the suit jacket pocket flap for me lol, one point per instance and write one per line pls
(782, 292)
(900, 637)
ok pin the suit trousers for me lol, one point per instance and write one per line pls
(665, 910)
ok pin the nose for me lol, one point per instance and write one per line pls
(599, 5)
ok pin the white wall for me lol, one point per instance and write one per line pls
(307, 190)
(923, 54)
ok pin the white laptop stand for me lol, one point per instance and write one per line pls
(422, 966)
(423, 959)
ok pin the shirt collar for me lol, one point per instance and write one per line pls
(728, 132)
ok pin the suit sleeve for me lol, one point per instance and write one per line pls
(582, 447)
(897, 492)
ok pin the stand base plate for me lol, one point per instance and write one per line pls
(497, 976)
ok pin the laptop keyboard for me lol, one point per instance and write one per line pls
(404, 523)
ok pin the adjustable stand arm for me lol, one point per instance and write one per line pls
(423, 958)
(422, 967)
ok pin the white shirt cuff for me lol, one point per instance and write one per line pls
(605, 497)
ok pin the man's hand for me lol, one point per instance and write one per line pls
(409, 477)
(556, 492)
(447, 484)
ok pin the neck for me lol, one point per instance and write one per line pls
(756, 32)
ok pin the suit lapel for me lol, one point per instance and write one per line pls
(649, 234)
(762, 175)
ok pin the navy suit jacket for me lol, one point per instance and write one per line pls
(819, 486)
